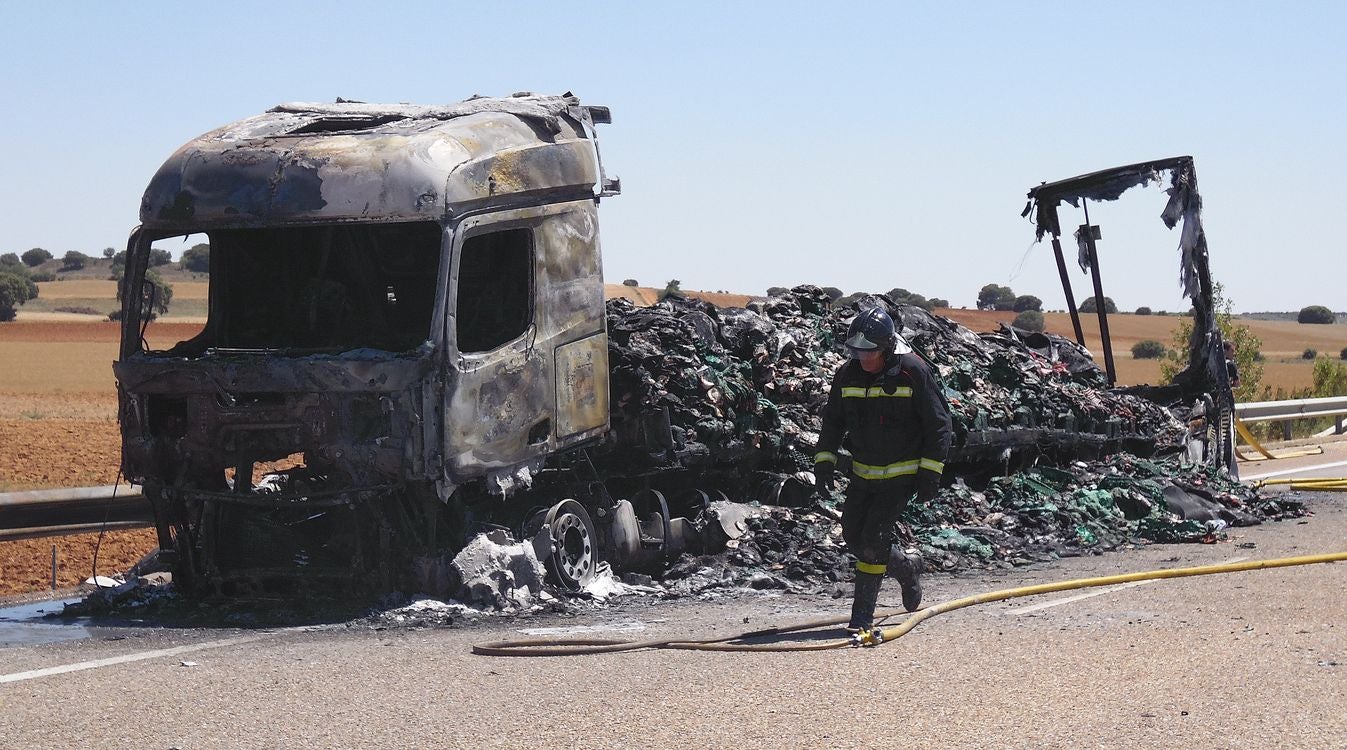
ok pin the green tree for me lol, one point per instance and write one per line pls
(833, 293)
(1027, 302)
(156, 293)
(1330, 378)
(1247, 347)
(160, 257)
(674, 287)
(776, 291)
(118, 265)
(847, 300)
(1309, 354)
(901, 296)
(108, 252)
(1317, 314)
(1088, 305)
(74, 260)
(10, 259)
(197, 260)
(36, 257)
(1143, 310)
(937, 302)
(1029, 320)
(16, 288)
(1148, 349)
(996, 297)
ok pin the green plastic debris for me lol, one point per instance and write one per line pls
(951, 540)
(1086, 537)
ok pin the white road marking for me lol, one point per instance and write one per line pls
(127, 658)
(1284, 472)
(1100, 592)
(1077, 597)
(622, 627)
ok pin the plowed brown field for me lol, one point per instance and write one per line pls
(58, 428)
(78, 448)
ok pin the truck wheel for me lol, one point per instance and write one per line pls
(573, 559)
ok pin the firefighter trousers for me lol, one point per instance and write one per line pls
(871, 508)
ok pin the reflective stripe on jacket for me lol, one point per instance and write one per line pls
(894, 422)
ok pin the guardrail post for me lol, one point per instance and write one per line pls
(1337, 425)
(1286, 430)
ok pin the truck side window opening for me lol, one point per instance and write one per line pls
(495, 289)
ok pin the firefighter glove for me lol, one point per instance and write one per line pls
(823, 476)
(928, 483)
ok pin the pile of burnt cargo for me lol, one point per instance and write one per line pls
(1047, 460)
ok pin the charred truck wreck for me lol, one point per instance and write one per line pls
(1203, 388)
(407, 345)
(406, 307)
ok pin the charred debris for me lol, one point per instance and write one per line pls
(1048, 461)
(409, 380)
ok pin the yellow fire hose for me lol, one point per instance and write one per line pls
(575, 647)
(1244, 432)
(1337, 484)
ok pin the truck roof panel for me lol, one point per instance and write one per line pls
(351, 161)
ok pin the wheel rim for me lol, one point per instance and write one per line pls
(572, 559)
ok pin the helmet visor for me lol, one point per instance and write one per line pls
(858, 342)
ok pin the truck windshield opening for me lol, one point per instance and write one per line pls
(320, 288)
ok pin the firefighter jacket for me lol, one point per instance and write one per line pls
(895, 421)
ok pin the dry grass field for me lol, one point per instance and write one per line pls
(100, 295)
(107, 290)
(58, 404)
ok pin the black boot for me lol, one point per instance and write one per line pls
(907, 570)
(863, 605)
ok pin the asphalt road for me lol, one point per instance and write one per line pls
(1246, 660)
(1331, 463)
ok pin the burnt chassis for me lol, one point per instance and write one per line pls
(1203, 386)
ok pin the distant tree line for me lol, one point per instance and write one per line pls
(898, 295)
(998, 297)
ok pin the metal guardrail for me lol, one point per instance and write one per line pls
(1303, 408)
(75, 510)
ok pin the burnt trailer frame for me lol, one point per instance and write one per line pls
(389, 428)
(1205, 380)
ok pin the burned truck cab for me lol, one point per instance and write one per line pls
(404, 301)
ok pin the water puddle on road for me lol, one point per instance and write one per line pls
(25, 624)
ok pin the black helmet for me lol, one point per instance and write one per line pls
(873, 329)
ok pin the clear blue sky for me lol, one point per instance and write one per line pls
(759, 144)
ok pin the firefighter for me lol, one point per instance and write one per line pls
(887, 404)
